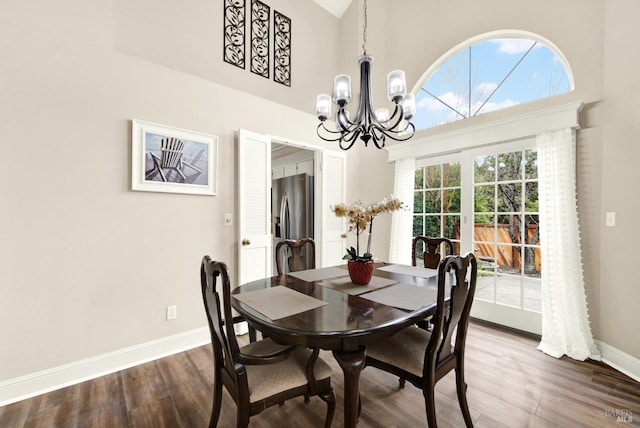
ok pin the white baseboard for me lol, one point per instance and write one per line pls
(620, 360)
(23, 387)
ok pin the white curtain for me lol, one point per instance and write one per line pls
(565, 319)
(402, 220)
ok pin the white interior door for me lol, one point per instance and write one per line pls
(254, 206)
(334, 189)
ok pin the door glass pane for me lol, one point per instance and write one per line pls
(531, 164)
(419, 179)
(432, 177)
(510, 229)
(531, 196)
(451, 201)
(510, 166)
(432, 203)
(484, 199)
(509, 290)
(418, 225)
(418, 202)
(432, 225)
(484, 228)
(533, 229)
(510, 197)
(451, 175)
(532, 288)
(484, 169)
(452, 227)
(509, 259)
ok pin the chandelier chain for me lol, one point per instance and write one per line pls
(364, 28)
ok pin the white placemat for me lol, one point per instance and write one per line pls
(420, 272)
(345, 285)
(279, 302)
(404, 296)
(319, 274)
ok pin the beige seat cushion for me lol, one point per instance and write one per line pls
(405, 349)
(270, 379)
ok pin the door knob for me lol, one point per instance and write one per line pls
(246, 242)
(344, 236)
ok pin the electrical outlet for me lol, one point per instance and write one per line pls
(172, 312)
(228, 219)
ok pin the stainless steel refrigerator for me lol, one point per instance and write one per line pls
(292, 209)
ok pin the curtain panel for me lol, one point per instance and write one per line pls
(565, 318)
(402, 220)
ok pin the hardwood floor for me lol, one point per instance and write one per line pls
(511, 384)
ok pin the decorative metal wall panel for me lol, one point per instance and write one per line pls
(234, 32)
(281, 48)
(260, 13)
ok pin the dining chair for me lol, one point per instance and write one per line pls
(423, 357)
(298, 259)
(262, 373)
(431, 254)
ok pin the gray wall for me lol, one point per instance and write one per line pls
(87, 266)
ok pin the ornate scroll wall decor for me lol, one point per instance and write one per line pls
(281, 49)
(234, 32)
(235, 35)
(260, 13)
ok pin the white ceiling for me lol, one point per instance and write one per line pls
(336, 7)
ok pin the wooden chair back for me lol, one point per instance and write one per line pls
(277, 372)
(216, 294)
(422, 356)
(452, 316)
(431, 254)
(300, 249)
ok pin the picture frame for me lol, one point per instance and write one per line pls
(173, 160)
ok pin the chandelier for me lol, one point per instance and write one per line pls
(368, 124)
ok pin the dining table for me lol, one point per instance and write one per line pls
(322, 308)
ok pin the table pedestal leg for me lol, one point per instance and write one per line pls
(352, 364)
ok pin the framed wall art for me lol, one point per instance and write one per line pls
(172, 160)
(281, 48)
(260, 14)
(234, 32)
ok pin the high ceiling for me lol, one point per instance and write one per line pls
(336, 7)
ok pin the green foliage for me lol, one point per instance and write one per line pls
(352, 254)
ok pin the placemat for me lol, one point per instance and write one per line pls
(420, 272)
(345, 285)
(404, 296)
(279, 301)
(318, 274)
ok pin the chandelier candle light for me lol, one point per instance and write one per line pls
(369, 124)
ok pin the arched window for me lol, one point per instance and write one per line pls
(487, 73)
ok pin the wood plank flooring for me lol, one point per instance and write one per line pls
(511, 384)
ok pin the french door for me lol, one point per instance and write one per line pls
(486, 201)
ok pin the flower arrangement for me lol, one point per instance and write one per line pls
(361, 217)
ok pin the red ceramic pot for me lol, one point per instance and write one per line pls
(360, 272)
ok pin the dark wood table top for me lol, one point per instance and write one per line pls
(346, 323)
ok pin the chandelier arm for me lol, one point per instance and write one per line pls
(343, 120)
(378, 136)
(350, 140)
(399, 112)
(400, 138)
(328, 131)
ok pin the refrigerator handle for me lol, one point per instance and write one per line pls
(284, 217)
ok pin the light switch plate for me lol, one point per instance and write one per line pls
(228, 219)
(611, 219)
